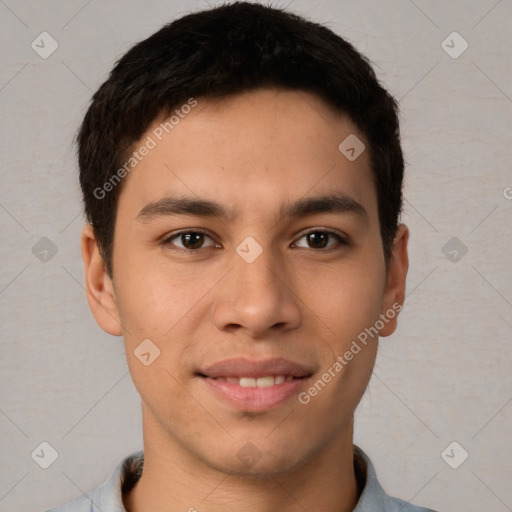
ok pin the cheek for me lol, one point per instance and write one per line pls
(153, 299)
(342, 313)
(346, 299)
(156, 304)
(165, 305)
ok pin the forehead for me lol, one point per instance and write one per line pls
(262, 147)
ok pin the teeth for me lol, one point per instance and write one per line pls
(261, 382)
(265, 382)
(247, 382)
(279, 379)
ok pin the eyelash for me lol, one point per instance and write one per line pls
(341, 240)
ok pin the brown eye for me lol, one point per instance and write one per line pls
(318, 239)
(190, 240)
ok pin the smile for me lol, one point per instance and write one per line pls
(260, 382)
(255, 386)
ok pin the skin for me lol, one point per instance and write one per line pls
(252, 153)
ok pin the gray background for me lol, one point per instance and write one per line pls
(444, 376)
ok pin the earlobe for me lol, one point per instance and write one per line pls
(394, 293)
(98, 285)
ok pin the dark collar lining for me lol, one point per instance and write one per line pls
(360, 469)
(131, 472)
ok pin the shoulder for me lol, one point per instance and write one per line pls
(81, 504)
(108, 496)
(373, 497)
(398, 505)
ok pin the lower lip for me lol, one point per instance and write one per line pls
(255, 399)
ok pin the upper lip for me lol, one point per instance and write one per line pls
(241, 367)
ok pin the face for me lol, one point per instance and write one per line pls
(247, 250)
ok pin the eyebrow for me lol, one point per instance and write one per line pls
(332, 203)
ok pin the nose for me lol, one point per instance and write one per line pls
(257, 298)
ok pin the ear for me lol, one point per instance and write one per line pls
(98, 285)
(394, 292)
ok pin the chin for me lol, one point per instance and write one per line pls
(263, 468)
(257, 458)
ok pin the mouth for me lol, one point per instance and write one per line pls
(255, 386)
(266, 381)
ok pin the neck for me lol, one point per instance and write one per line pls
(174, 480)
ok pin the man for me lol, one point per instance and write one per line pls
(242, 179)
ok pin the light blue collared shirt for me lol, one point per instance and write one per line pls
(108, 496)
